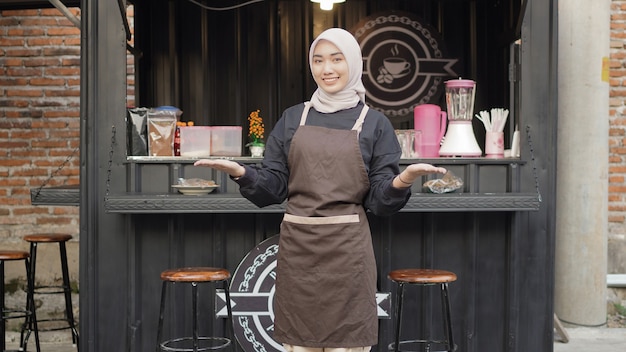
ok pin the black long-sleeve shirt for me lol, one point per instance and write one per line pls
(267, 184)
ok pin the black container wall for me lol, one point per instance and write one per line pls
(217, 67)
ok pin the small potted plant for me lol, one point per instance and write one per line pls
(256, 132)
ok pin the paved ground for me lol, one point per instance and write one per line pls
(593, 340)
(580, 340)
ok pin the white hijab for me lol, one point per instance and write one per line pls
(354, 91)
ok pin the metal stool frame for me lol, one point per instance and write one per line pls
(195, 338)
(65, 288)
(423, 277)
(30, 318)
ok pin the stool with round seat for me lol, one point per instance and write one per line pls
(195, 342)
(30, 319)
(35, 240)
(424, 277)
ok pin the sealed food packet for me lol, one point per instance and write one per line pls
(195, 182)
(136, 127)
(448, 183)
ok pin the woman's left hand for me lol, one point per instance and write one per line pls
(406, 178)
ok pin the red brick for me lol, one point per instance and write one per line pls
(4, 81)
(23, 52)
(47, 81)
(62, 71)
(56, 220)
(24, 72)
(44, 41)
(48, 144)
(30, 172)
(38, 22)
(19, 13)
(61, 51)
(30, 211)
(24, 93)
(54, 12)
(65, 113)
(12, 62)
(63, 31)
(11, 42)
(26, 32)
(62, 93)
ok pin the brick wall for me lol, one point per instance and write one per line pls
(617, 139)
(40, 121)
(617, 133)
(40, 108)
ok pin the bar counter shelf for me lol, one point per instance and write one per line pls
(489, 185)
(230, 203)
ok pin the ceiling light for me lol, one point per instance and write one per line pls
(327, 4)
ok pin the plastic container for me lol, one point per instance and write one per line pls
(226, 140)
(195, 141)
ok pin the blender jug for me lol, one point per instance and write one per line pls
(460, 139)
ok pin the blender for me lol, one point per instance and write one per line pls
(460, 139)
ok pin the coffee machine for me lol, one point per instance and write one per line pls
(460, 140)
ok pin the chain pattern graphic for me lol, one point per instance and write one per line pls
(249, 335)
(258, 261)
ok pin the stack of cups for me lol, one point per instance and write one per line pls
(410, 141)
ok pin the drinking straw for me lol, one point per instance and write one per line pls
(495, 121)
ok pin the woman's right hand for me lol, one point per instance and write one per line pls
(230, 167)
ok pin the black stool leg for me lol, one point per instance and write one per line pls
(67, 290)
(447, 323)
(30, 306)
(161, 315)
(230, 316)
(194, 310)
(3, 325)
(399, 298)
(31, 315)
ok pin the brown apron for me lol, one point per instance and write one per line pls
(326, 272)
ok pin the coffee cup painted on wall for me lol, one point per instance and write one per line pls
(396, 66)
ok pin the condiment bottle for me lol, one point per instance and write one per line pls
(177, 138)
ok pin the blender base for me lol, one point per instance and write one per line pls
(460, 141)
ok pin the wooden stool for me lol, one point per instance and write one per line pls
(64, 289)
(424, 277)
(30, 319)
(194, 276)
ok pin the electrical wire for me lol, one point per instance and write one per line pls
(224, 8)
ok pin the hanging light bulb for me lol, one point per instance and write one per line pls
(327, 5)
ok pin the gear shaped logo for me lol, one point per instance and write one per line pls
(404, 62)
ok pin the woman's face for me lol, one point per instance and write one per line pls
(329, 67)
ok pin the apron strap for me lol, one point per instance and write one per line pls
(305, 113)
(358, 124)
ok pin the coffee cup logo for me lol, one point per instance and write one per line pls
(396, 65)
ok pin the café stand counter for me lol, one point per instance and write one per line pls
(476, 232)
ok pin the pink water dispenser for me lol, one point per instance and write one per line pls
(429, 119)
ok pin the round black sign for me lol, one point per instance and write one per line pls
(252, 293)
(252, 296)
(404, 62)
